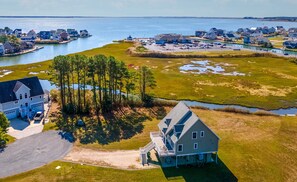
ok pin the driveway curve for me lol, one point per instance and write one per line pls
(33, 152)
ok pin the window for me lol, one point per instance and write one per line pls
(195, 146)
(26, 96)
(21, 97)
(16, 102)
(194, 135)
(180, 148)
(201, 133)
(31, 99)
(26, 104)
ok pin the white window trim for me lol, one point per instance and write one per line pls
(178, 148)
(195, 145)
(196, 135)
(201, 134)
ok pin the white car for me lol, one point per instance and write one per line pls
(38, 116)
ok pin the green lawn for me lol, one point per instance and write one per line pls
(252, 148)
(269, 82)
(76, 172)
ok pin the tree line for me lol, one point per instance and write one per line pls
(108, 82)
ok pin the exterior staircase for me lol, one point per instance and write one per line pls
(143, 152)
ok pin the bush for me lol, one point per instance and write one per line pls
(234, 110)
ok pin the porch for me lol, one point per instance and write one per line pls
(160, 145)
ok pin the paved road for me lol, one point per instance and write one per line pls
(33, 152)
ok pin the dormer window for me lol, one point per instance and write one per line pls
(167, 121)
(26, 96)
(21, 96)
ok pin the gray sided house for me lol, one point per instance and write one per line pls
(21, 98)
(183, 139)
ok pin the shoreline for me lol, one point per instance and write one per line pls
(36, 48)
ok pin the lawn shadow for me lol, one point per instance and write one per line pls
(207, 173)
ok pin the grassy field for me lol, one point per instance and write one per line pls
(252, 148)
(268, 83)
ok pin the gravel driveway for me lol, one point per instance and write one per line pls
(33, 152)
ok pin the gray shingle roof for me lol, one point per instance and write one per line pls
(7, 88)
(182, 119)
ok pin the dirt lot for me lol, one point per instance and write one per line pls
(121, 159)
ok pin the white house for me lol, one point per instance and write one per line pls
(21, 98)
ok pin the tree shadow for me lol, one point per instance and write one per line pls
(113, 128)
(208, 173)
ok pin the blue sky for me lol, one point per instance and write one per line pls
(200, 8)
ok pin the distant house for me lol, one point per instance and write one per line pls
(64, 36)
(129, 38)
(259, 40)
(72, 33)
(292, 30)
(293, 35)
(31, 36)
(9, 48)
(168, 38)
(200, 33)
(59, 31)
(2, 49)
(17, 32)
(84, 33)
(246, 40)
(21, 98)
(230, 36)
(290, 44)
(183, 138)
(27, 45)
(45, 35)
(210, 36)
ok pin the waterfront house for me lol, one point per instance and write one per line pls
(21, 98)
(200, 33)
(260, 40)
(59, 31)
(72, 33)
(84, 33)
(129, 38)
(32, 34)
(292, 35)
(46, 35)
(9, 48)
(183, 139)
(64, 36)
(290, 44)
(27, 45)
(2, 49)
(17, 32)
(210, 36)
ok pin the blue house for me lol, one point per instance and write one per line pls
(246, 40)
(290, 44)
(45, 35)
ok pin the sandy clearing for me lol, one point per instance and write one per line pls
(121, 159)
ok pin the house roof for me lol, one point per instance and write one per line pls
(8, 88)
(182, 119)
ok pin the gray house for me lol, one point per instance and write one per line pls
(182, 139)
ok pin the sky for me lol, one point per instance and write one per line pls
(116, 8)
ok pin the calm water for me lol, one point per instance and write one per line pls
(105, 30)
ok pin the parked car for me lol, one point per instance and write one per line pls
(38, 116)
